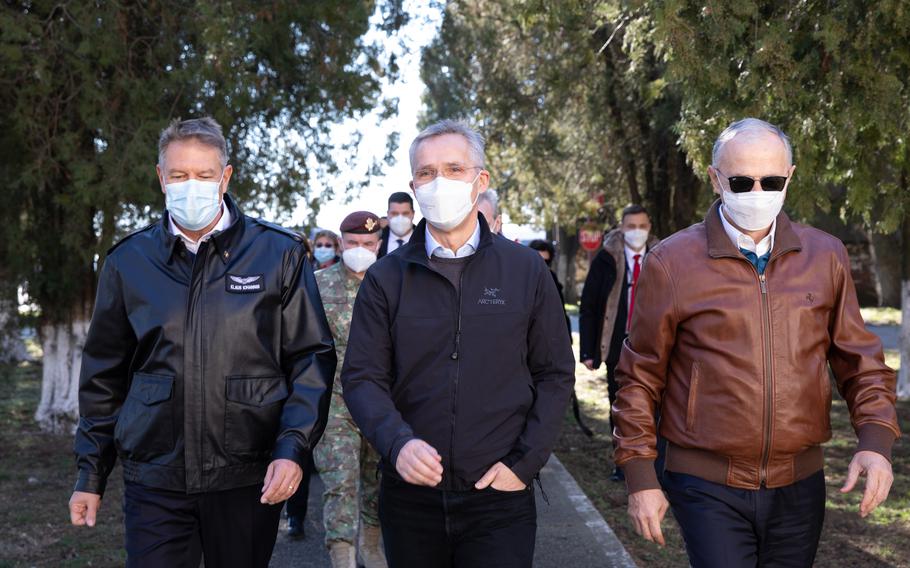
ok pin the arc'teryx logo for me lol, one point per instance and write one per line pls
(491, 297)
(243, 284)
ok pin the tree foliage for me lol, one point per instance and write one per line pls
(85, 88)
(834, 75)
(573, 100)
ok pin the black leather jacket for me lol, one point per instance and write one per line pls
(198, 370)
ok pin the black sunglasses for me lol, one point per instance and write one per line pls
(744, 184)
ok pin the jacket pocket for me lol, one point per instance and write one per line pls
(252, 413)
(693, 398)
(145, 426)
(824, 378)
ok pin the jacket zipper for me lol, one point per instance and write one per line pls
(200, 258)
(766, 346)
(454, 357)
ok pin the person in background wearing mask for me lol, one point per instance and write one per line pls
(207, 370)
(326, 249)
(347, 464)
(608, 297)
(488, 205)
(401, 223)
(461, 429)
(547, 252)
(740, 317)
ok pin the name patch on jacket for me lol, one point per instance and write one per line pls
(243, 284)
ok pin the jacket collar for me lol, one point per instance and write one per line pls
(416, 249)
(224, 242)
(720, 245)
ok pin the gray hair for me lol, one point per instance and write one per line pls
(205, 130)
(750, 125)
(475, 140)
(492, 198)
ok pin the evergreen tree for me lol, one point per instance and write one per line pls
(85, 88)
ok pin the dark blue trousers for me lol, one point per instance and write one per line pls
(175, 529)
(426, 527)
(727, 527)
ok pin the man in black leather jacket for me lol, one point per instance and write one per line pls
(207, 370)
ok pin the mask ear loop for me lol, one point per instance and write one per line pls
(473, 203)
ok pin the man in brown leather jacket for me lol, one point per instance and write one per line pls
(739, 318)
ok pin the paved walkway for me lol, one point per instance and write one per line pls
(570, 531)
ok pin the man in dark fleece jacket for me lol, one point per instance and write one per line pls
(458, 371)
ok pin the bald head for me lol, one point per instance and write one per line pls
(749, 128)
(751, 148)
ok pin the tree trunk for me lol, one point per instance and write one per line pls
(12, 348)
(58, 410)
(567, 246)
(886, 254)
(903, 376)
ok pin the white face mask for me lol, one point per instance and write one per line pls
(400, 225)
(445, 202)
(193, 204)
(636, 238)
(753, 210)
(358, 259)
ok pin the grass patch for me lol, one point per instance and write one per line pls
(883, 539)
(37, 473)
(881, 316)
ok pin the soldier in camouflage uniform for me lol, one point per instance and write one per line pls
(347, 464)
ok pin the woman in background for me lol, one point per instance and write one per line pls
(326, 249)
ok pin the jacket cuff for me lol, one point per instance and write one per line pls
(287, 448)
(90, 483)
(516, 462)
(396, 448)
(640, 475)
(875, 438)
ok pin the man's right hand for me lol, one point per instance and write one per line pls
(589, 363)
(84, 508)
(419, 463)
(647, 509)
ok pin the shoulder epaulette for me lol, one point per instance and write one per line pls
(278, 228)
(131, 235)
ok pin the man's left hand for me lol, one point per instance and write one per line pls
(500, 478)
(281, 481)
(879, 478)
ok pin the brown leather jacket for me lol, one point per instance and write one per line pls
(737, 361)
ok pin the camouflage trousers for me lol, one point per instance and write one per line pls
(347, 466)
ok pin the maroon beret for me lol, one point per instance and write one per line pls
(360, 223)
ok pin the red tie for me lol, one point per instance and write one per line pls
(635, 272)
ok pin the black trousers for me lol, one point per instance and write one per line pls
(299, 501)
(423, 526)
(726, 527)
(174, 529)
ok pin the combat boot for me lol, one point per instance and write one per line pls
(342, 555)
(369, 543)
